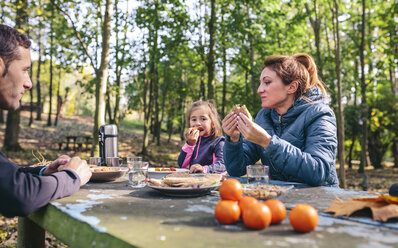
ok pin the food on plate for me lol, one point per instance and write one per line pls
(182, 179)
(164, 169)
(101, 169)
(179, 174)
(242, 109)
(303, 218)
(264, 192)
(156, 182)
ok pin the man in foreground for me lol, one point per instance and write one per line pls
(23, 190)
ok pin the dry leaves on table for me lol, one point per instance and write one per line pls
(383, 207)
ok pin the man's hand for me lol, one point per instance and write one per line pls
(53, 167)
(252, 131)
(192, 136)
(81, 168)
(229, 125)
(196, 168)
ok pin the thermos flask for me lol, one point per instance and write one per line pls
(107, 142)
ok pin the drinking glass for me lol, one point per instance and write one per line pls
(94, 161)
(137, 174)
(257, 174)
(132, 161)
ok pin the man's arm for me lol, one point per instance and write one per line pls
(22, 193)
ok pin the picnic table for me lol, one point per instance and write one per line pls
(114, 215)
(74, 141)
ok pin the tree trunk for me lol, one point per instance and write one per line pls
(395, 153)
(155, 76)
(202, 91)
(31, 103)
(252, 62)
(59, 99)
(108, 109)
(13, 117)
(119, 63)
(224, 78)
(63, 102)
(316, 26)
(340, 114)
(50, 93)
(38, 90)
(364, 111)
(210, 57)
(350, 152)
(102, 75)
(12, 131)
(170, 125)
(147, 112)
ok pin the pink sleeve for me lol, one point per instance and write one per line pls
(189, 150)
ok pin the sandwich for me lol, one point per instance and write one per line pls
(184, 180)
(197, 128)
(242, 109)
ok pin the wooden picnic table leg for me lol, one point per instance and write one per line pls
(74, 143)
(67, 144)
(30, 234)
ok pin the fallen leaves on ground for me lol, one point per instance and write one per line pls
(383, 207)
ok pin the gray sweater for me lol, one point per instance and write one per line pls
(23, 191)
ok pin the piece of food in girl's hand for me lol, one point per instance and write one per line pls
(197, 128)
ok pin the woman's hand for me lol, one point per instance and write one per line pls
(229, 125)
(196, 168)
(253, 132)
(192, 136)
(53, 167)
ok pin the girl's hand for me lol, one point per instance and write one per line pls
(253, 132)
(229, 125)
(196, 168)
(192, 136)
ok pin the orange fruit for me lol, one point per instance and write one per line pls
(278, 210)
(257, 216)
(245, 202)
(227, 212)
(231, 189)
(303, 218)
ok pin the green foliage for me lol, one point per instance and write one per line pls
(169, 44)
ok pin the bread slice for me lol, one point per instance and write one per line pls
(157, 182)
(242, 109)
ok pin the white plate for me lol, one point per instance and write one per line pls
(107, 176)
(160, 174)
(184, 192)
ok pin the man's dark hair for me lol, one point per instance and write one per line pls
(10, 39)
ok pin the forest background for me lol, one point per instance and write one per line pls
(109, 59)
